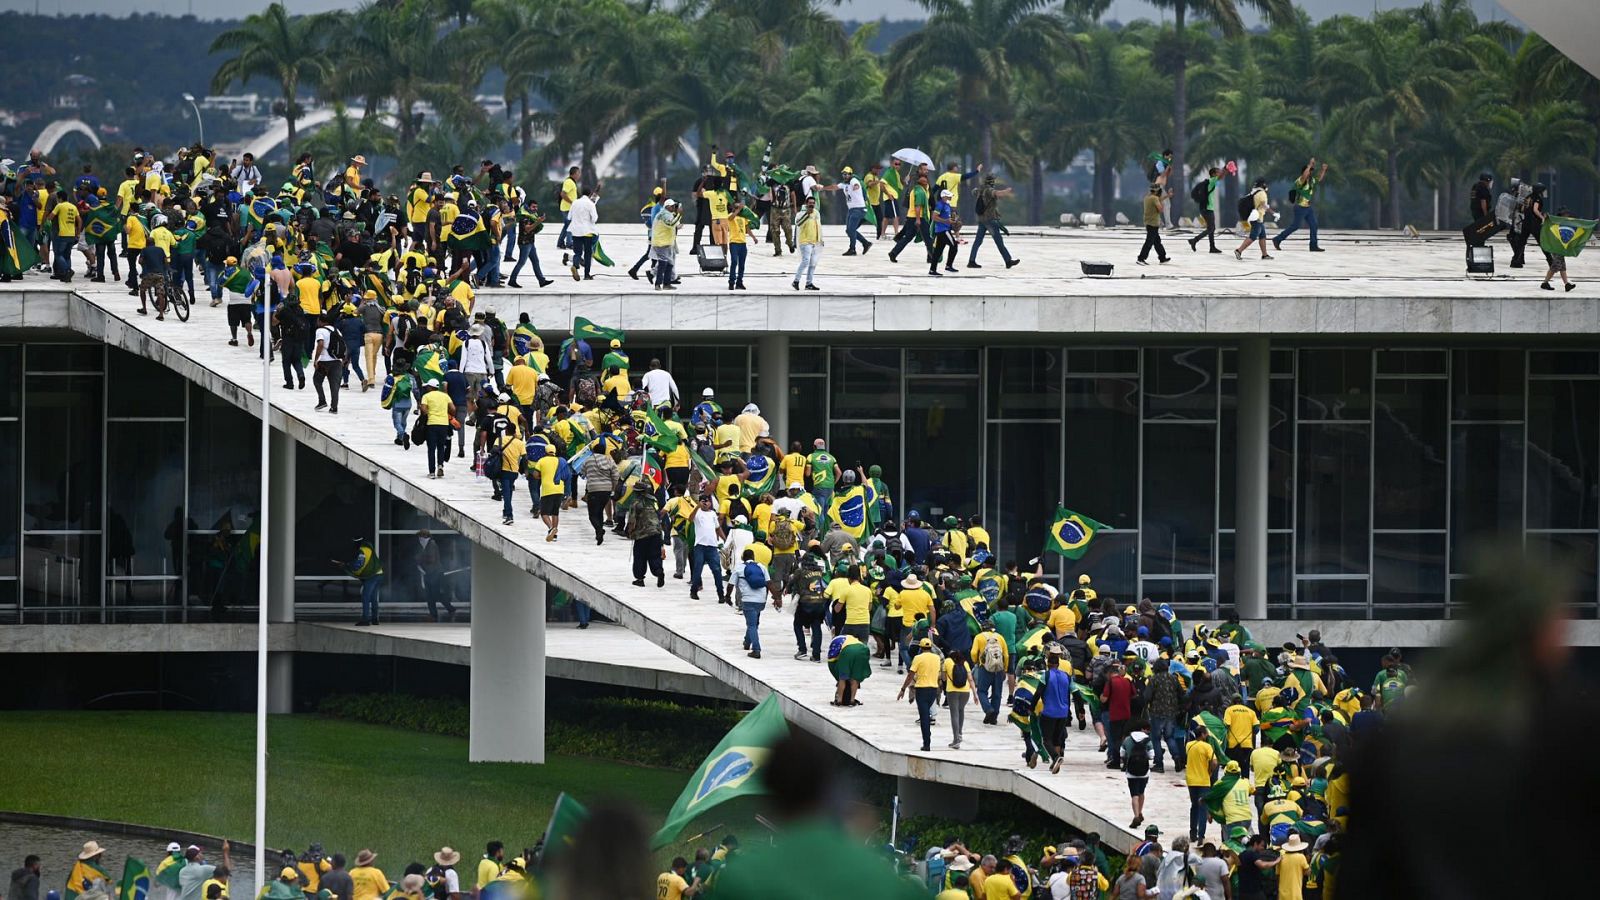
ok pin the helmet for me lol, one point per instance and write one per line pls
(847, 477)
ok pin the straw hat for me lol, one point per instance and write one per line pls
(1295, 843)
(447, 857)
(359, 160)
(91, 850)
(365, 857)
(911, 582)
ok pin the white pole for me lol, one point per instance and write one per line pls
(1435, 209)
(894, 821)
(261, 602)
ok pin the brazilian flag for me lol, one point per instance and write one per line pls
(583, 328)
(17, 255)
(731, 770)
(1071, 533)
(83, 876)
(848, 512)
(257, 213)
(761, 476)
(1564, 235)
(522, 338)
(565, 818)
(428, 364)
(136, 880)
(1214, 730)
(101, 222)
(1213, 797)
(467, 233)
(658, 434)
(167, 870)
(238, 280)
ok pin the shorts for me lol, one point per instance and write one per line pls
(1136, 785)
(1258, 231)
(889, 209)
(550, 504)
(719, 231)
(677, 475)
(892, 628)
(239, 315)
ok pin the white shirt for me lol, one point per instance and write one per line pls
(808, 186)
(854, 196)
(1232, 650)
(246, 176)
(475, 357)
(793, 504)
(660, 385)
(325, 342)
(583, 216)
(1059, 889)
(452, 882)
(735, 542)
(705, 527)
(1145, 650)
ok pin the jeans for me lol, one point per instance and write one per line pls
(508, 484)
(527, 253)
(1197, 812)
(401, 416)
(292, 364)
(331, 372)
(564, 239)
(61, 259)
(909, 230)
(958, 713)
(988, 684)
(1210, 234)
(752, 622)
(433, 593)
(702, 556)
(823, 496)
(1116, 730)
(489, 270)
(808, 263)
(102, 253)
(583, 252)
(737, 252)
(511, 244)
(1302, 215)
(583, 612)
(438, 447)
(214, 278)
(800, 637)
(133, 271)
(926, 697)
(991, 228)
(353, 364)
(1165, 732)
(597, 501)
(680, 555)
(852, 228)
(183, 271)
(369, 598)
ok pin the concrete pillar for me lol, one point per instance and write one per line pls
(280, 567)
(506, 715)
(772, 363)
(931, 798)
(1250, 508)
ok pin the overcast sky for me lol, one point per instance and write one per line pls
(1123, 10)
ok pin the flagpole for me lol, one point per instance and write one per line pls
(262, 603)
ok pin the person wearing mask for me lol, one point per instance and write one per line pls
(944, 222)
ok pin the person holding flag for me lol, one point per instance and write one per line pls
(1561, 236)
(88, 873)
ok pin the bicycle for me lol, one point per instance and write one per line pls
(176, 297)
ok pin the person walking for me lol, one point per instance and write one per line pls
(582, 219)
(568, 197)
(1200, 768)
(943, 215)
(366, 568)
(750, 583)
(1301, 195)
(1117, 695)
(706, 527)
(511, 450)
(1557, 262)
(1154, 202)
(643, 517)
(957, 685)
(780, 218)
(855, 201)
(1136, 766)
(914, 228)
(988, 209)
(329, 363)
(600, 481)
(922, 678)
(809, 228)
(1253, 210)
(431, 576)
(1204, 194)
(1056, 708)
(738, 249)
(436, 410)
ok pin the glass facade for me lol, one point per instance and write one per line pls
(127, 494)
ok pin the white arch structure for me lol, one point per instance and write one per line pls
(55, 131)
(607, 158)
(273, 137)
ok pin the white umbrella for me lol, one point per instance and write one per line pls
(913, 156)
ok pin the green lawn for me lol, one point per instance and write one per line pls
(346, 785)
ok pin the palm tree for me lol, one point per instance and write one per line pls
(394, 51)
(1244, 121)
(1225, 16)
(984, 43)
(344, 136)
(288, 49)
(1537, 138)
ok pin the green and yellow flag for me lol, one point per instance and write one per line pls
(1564, 235)
(730, 771)
(583, 328)
(565, 817)
(101, 221)
(136, 880)
(167, 870)
(83, 876)
(1071, 533)
(660, 436)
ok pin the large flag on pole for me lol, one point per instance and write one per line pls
(1070, 533)
(1564, 235)
(730, 770)
(583, 328)
(136, 880)
(565, 817)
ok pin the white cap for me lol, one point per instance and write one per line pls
(751, 409)
(174, 847)
(741, 520)
(796, 486)
(708, 392)
(504, 397)
(945, 195)
(431, 382)
(670, 202)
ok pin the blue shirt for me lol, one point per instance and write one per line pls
(455, 384)
(941, 210)
(921, 543)
(1057, 694)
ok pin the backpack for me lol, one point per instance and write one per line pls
(1201, 192)
(493, 461)
(337, 348)
(1137, 762)
(754, 575)
(1247, 204)
(783, 537)
(644, 521)
(982, 204)
(586, 390)
(1294, 195)
(994, 654)
(546, 395)
(958, 674)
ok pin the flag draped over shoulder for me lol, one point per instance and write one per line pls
(1215, 731)
(730, 771)
(1070, 533)
(1213, 798)
(83, 875)
(760, 477)
(167, 870)
(136, 880)
(101, 223)
(848, 512)
(467, 233)
(1564, 235)
(583, 328)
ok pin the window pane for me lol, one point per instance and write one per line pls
(1411, 362)
(1485, 487)
(404, 583)
(10, 496)
(1024, 383)
(944, 439)
(60, 578)
(866, 383)
(1024, 459)
(10, 380)
(1576, 554)
(398, 515)
(1409, 486)
(808, 360)
(1340, 598)
(145, 523)
(1280, 454)
(143, 600)
(224, 463)
(1486, 384)
(1103, 466)
(1563, 362)
(871, 444)
(1178, 525)
(1103, 362)
(1333, 485)
(942, 360)
(725, 370)
(808, 409)
(139, 387)
(1563, 439)
(1279, 573)
(61, 481)
(1180, 383)
(333, 509)
(1112, 560)
(1408, 577)
(224, 575)
(1335, 384)
(66, 357)
(1191, 598)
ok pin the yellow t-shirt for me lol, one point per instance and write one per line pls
(66, 216)
(738, 228)
(417, 213)
(856, 597)
(925, 669)
(511, 454)
(488, 870)
(1197, 773)
(950, 181)
(206, 887)
(977, 534)
(670, 886)
(762, 552)
(569, 193)
(949, 686)
(727, 433)
(1241, 721)
(125, 195)
(523, 381)
(811, 229)
(369, 883)
(436, 407)
(1292, 876)
(1063, 620)
(548, 485)
(874, 186)
(794, 469)
(1236, 806)
(161, 237)
(911, 602)
(999, 887)
(619, 384)
(719, 205)
(1262, 763)
(310, 289)
(137, 236)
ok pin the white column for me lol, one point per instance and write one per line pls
(506, 718)
(1250, 516)
(280, 568)
(772, 362)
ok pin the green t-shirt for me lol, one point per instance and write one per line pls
(822, 464)
(768, 873)
(1390, 688)
(1005, 624)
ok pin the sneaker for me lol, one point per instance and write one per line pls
(1317, 250)
(1055, 766)
(546, 282)
(1238, 254)
(812, 287)
(1277, 244)
(1032, 758)
(513, 283)
(973, 265)
(1013, 263)
(756, 654)
(1215, 250)
(1166, 259)
(661, 581)
(638, 582)
(1569, 286)
(505, 521)
(574, 270)
(801, 655)
(1140, 262)
(694, 595)
(1546, 286)
(795, 285)
(865, 246)
(850, 252)
(949, 268)
(1265, 256)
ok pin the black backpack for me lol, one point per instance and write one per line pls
(958, 674)
(337, 348)
(1201, 192)
(1137, 763)
(1247, 203)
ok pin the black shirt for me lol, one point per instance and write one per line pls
(1250, 880)
(339, 883)
(353, 255)
(1482, 200)
(24, 885)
